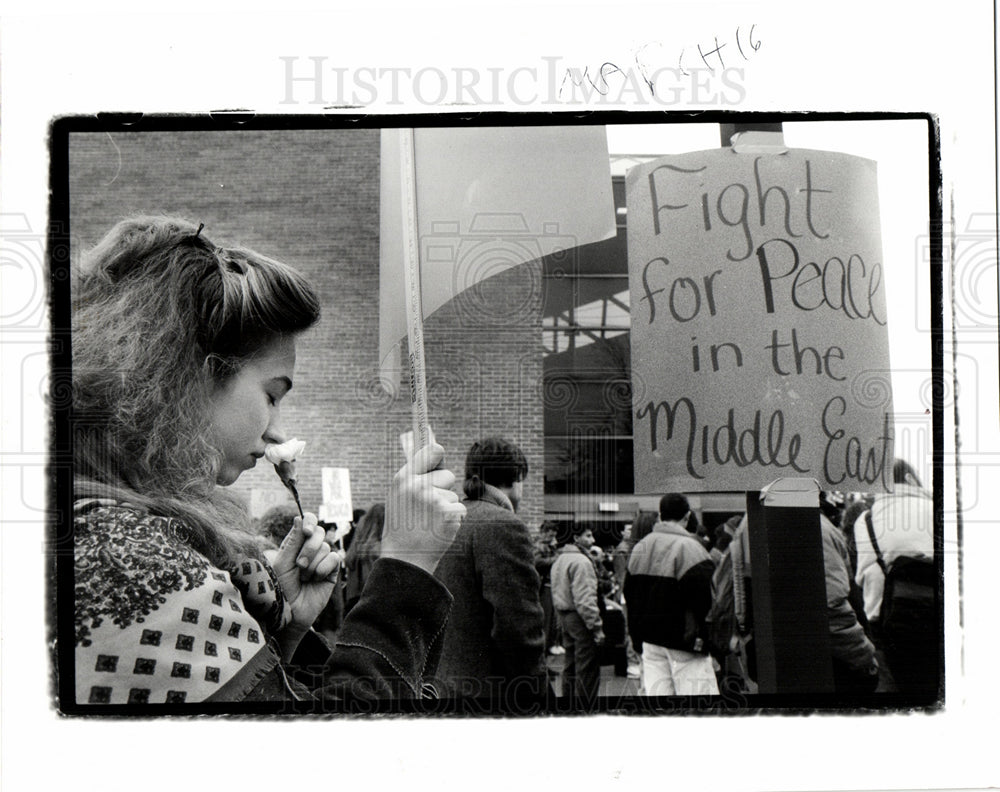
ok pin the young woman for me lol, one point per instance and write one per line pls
(182, 353)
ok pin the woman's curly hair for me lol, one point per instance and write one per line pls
(161, 317)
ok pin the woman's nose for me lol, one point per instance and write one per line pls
(274, 433)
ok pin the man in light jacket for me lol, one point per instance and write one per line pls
(574, 597)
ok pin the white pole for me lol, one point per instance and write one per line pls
(411, 274)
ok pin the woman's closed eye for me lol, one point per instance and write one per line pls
(276, 388)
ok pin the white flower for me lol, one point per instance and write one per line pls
(276, 453)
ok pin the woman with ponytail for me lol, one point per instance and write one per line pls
(182, 354)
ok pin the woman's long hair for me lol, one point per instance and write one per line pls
(160, 318)
(367, 542)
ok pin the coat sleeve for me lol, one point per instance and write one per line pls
(505, 564)
(387, 649)
(848, 641)
(583, 584)
(390, 643)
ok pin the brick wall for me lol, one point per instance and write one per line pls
(310, 198)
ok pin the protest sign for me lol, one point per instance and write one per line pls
(336, 507)
(759, 330)
(487, 199)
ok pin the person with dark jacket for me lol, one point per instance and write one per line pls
(668, 589)
(852, 654)
(545, 548)
(495, 642)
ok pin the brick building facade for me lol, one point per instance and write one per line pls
(311, 199)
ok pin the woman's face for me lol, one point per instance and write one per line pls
(244, 410)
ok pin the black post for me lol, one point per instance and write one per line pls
(791, 627)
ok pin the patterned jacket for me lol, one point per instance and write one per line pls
(157, 623)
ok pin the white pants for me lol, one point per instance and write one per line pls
(674, 672)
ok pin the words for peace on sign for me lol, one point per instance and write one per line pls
(801, 358)
(844, 457)
(844, 283)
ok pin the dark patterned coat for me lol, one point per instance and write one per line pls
(495, 634)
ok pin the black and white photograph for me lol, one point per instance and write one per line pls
(546, 394)
(645, 420)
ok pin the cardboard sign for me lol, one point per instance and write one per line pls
(488, 198)
(759, 333)
(336, 507)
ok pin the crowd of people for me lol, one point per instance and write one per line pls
(183, 351)
(685, 594)
(673, 592)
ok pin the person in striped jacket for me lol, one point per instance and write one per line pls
(668, 589)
